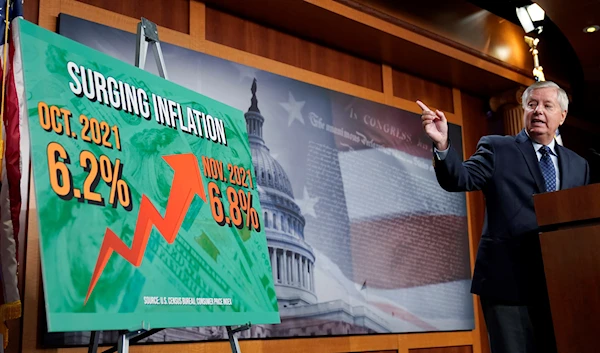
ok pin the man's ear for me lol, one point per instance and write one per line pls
(563, 117)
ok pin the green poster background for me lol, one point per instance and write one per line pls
(205, 260)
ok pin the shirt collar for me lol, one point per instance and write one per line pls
(537, 146)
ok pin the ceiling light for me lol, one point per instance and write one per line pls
(591, 29)
(502, 52)
(531, 17)
(536, 12)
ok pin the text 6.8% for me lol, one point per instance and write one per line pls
(239, 202)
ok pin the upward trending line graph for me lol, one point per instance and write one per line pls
(187, 182)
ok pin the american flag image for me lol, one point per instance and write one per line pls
(12, 213)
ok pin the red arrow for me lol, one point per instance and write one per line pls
(187, 182)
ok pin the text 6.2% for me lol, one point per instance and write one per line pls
(61, 179)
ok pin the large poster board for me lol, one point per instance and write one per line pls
(361, 238)
(149, 213)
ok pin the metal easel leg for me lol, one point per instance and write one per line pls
(94, 338)
(124, 340)
(133, 338)
(233, 341)
(147, 32)
(141, 47)
(123, 344)
(160, 61)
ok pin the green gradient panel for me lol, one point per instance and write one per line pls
(205, 260)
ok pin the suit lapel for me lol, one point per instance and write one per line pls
(526, 148)
(563, 162)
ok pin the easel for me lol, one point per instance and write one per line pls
(147, 32)
(133, 337)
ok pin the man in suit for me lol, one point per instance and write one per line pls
(509, 275)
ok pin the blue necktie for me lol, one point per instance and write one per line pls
(547, 168)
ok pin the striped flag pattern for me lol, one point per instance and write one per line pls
(11, 212)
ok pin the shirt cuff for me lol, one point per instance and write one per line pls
(441, 155)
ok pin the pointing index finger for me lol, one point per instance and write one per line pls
(423, 106)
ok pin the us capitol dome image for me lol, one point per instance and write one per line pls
(292, 259)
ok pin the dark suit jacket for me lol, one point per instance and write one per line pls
(509, 265)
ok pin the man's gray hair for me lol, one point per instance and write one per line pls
(561, 95)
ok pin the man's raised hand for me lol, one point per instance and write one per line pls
(435, 126)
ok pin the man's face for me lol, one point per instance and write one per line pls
(543, 115)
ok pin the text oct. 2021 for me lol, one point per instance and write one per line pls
(59, 120)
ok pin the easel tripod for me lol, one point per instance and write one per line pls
(147, 34)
